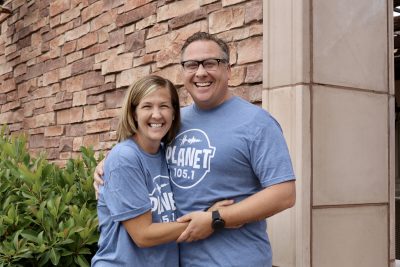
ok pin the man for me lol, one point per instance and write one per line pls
(227, 148)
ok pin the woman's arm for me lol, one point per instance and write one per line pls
(145, 233)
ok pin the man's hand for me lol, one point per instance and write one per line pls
(199, 226)
(220, 204)
(98, 177)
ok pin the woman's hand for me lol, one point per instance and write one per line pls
(199, 226)
(98, 177)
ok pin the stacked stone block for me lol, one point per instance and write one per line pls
(65, 64)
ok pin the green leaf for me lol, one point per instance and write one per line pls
(15, 240)
(81, 261)
(40, 237)
(30, 236)
(44, 258)
(85, 251)
(54, 256)
(68, 197)
(7, 202)
(67, 253)
(26, 175)
(40, 213)
(66, 241)
(11, 213)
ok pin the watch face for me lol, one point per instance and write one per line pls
(218, 224)
(217, 221)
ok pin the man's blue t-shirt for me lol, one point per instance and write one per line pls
(135, 183)
(230, 152)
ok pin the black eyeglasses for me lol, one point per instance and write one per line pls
(210, 64)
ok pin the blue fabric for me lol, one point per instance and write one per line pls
(230, 152)
(135, 182)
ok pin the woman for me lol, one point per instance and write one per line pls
(136, 202)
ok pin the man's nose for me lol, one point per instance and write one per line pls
(201, 70)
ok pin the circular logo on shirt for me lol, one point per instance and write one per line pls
(189, 158)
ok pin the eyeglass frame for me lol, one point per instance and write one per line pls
(200, 62)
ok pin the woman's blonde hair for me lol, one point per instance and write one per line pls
(127, 126)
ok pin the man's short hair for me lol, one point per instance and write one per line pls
(204, 36)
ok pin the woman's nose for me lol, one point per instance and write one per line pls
(156, 113)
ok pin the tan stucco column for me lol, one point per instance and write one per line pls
(328, 79)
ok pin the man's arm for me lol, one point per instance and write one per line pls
(259, 206)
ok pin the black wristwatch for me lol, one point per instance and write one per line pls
(217, 222)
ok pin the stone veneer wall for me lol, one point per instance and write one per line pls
(65, 64)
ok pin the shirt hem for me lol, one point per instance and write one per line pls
(130, 214)
(279, 180)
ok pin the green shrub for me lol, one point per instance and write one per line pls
(48, 214)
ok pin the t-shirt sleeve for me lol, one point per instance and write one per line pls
(269, 154)
(125, 192)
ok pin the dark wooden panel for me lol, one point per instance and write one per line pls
(396, 23)
(397, 42)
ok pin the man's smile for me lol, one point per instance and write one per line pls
(203, 84)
